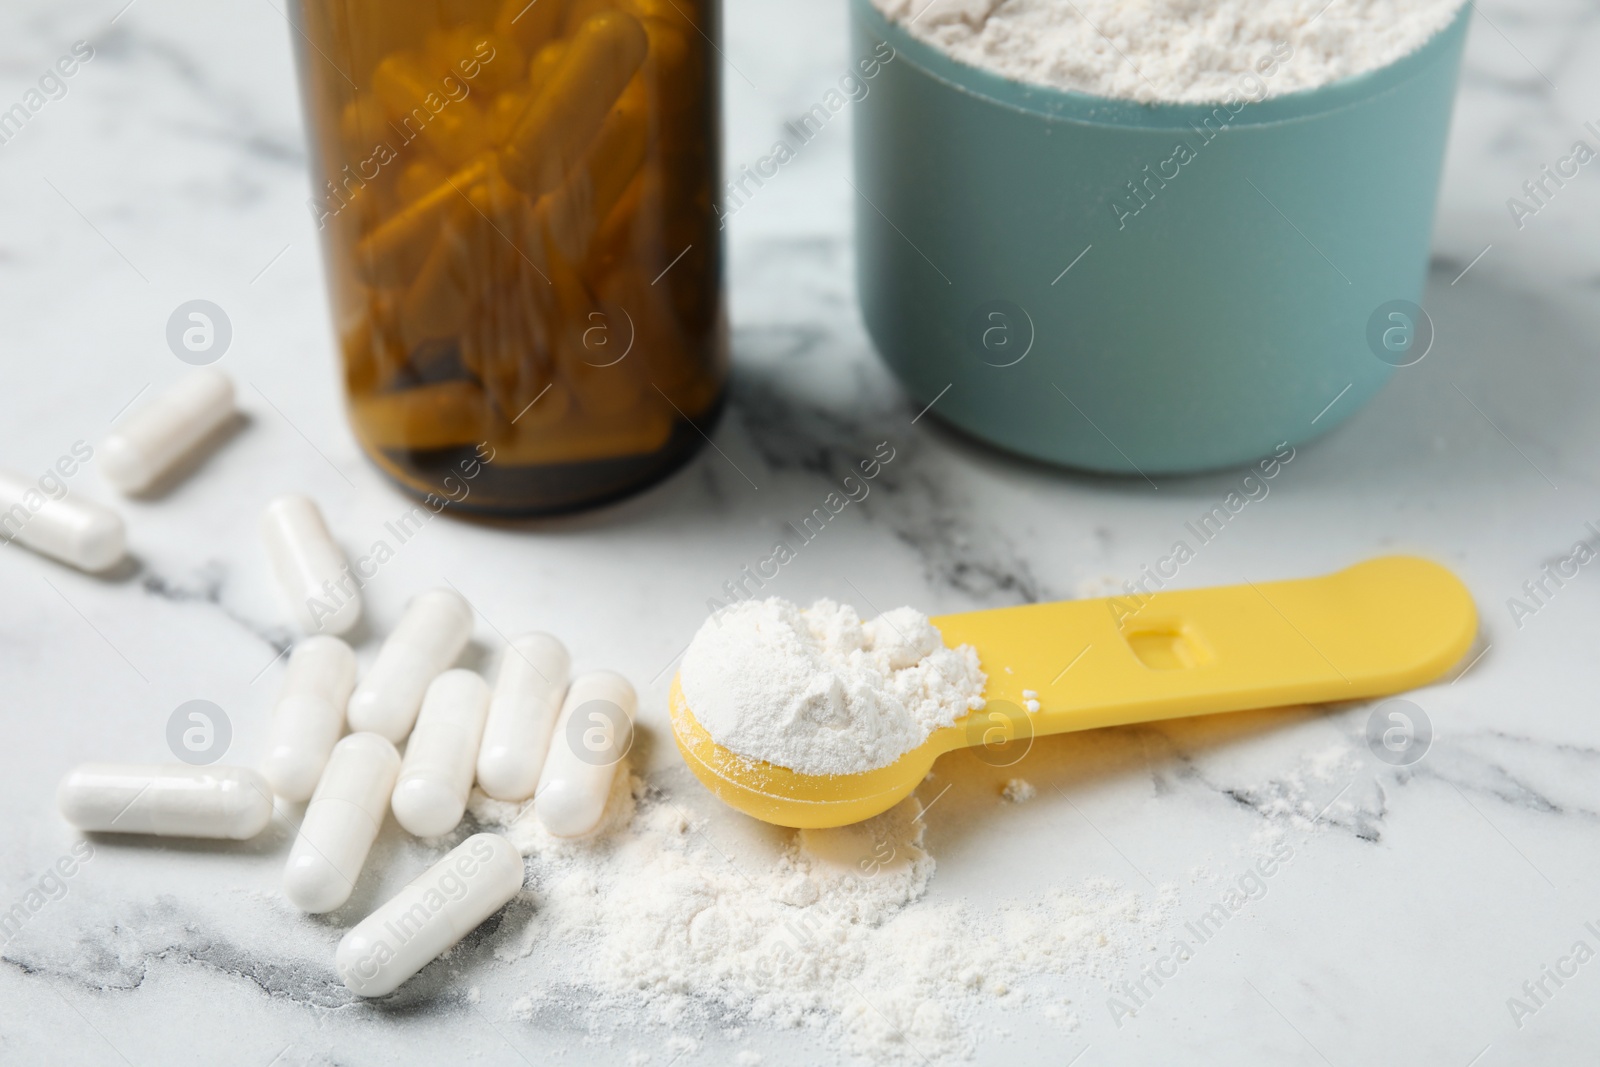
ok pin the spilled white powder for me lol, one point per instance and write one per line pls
(680, 920)
(1019, 791)
(1180, 51)
(822, 692)
(693, 920)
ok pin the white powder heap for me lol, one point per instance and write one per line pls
(821, 692)
(680, 918)
(702, 922)
(1180, 51)
(1018, 791)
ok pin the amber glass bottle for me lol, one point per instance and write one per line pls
(518, 205)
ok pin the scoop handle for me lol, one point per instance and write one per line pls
(1382, 626)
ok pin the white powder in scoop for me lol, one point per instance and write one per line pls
(1181, 51)
(821, 692)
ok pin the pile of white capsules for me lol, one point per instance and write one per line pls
(454, 727)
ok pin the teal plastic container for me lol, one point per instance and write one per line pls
(1145, 289)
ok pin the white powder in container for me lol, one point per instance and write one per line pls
(821, 692)
(1175, 51)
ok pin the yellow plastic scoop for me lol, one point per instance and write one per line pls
(1383, 626)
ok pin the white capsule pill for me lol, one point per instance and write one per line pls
(312, 573)
(341, 822)
(168, 800)
(441, 906)
(431, 634)
(155, 438)
(309, 716)
(436, 774)
(80, 532)
(522, 712)
(592, 735)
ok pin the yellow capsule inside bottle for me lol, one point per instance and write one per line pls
(519, 210)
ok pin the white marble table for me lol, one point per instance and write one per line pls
(173, 169)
